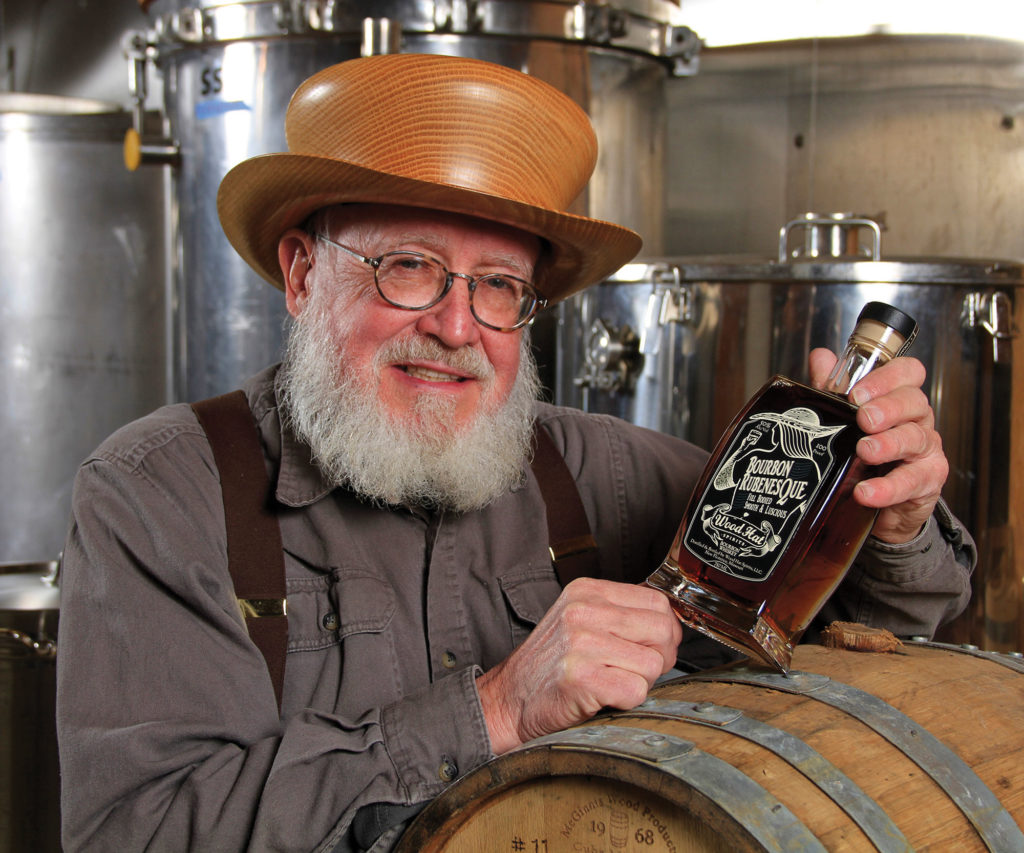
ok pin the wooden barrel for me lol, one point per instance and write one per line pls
(922, 749)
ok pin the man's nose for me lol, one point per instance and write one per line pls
(451, 321)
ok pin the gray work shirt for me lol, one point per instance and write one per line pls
(169, 732)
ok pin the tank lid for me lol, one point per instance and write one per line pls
(752, 268)
(27, 102)
(29, 586)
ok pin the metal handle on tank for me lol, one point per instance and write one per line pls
(840, 225)
(21, 642)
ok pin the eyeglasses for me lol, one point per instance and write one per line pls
(416, 282)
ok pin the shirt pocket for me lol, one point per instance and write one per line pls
(528, 594)
(337, 604)
(341, 656)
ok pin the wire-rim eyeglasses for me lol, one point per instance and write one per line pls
(416, 281)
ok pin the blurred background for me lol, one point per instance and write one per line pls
(784, 162)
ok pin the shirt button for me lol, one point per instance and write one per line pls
(448, 770)
(330, 621)
(448, 659)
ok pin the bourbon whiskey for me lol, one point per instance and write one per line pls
(772, 526)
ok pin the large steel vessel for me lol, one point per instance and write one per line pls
(679, 344)
(82, 303)
(229, 70)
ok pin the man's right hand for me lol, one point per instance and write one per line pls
(602, 644)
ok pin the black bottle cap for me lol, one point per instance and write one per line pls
(904, 324)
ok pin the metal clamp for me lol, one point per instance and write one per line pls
(231, 22)
(381, 36)
(456, 16)
(600, 24)
(992, 313)
(669, 302)
(592, 23)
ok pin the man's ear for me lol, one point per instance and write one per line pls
(295, 256)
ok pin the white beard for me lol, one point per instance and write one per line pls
(421, 461)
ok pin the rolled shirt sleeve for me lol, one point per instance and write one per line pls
(912, 588)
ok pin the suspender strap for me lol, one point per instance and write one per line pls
(255, 554)
(570, 542)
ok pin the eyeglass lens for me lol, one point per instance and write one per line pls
(415, 281)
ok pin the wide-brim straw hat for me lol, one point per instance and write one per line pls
(438, 132)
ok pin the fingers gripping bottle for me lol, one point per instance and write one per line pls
(772, 526)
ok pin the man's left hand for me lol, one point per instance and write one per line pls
(900, 426)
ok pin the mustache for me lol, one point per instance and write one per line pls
(465, 359)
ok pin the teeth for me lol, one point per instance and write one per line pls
(431, 375)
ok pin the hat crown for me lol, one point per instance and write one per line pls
(432, 132)
(463, 122)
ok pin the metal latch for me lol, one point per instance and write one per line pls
(993, 313)
(669, 302)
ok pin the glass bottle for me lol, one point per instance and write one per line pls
(772, 526)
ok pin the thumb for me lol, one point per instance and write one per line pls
(820, 363)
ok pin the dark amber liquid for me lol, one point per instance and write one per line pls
(823, 546)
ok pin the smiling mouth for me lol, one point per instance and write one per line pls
(431, 375)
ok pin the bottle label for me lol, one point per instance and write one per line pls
(757, 496)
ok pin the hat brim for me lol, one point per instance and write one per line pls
(261, 198)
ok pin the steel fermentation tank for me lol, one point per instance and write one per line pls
(29, 778)
(82, 304)
(679, 344)
(229, 70)
(924, 134)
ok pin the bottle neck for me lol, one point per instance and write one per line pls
(871, 345)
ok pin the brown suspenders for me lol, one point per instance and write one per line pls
(255, 555)
(570, 543)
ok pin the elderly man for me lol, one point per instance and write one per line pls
(416, 225)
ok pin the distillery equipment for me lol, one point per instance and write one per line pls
(29, 801)
(83, 303)
(923, 135)
(678, 344)
(228, 72)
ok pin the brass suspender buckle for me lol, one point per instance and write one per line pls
(257, 608)
(572, 547)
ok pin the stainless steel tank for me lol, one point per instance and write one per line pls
(29, 777)
(83, 254)
(924, 133)
(678, 344)
(229, 70)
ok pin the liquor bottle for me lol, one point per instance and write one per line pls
(772, 526)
